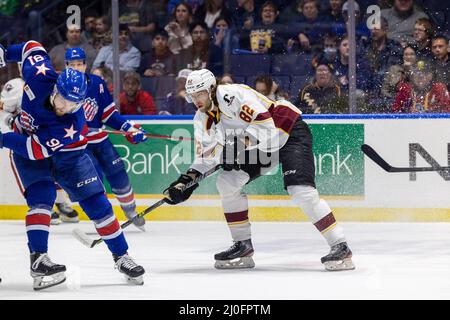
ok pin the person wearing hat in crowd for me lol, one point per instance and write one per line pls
(422, 94)
(73, 35)
(324, 95)
(134, 100)
(129, 56)
(175, 102)
(159, 61)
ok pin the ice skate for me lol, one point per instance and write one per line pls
(55, 220)
(132, 271)
(66, 213)
(138, 222)
(238, 256)
(45, 273)
(339, 258)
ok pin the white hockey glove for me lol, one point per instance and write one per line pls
(6, 120)
(2, 56)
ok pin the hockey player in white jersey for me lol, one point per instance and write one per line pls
(249, 134)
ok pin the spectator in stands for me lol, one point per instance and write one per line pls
(341, 67)
(381, 53)
(210, 10)
(409, 57)
(264, 84)
(107, 75)
(129, 56)
(329, 52)
(176, 100)
(423, 94)
(394, 77)
(219, 45)
(89, 27)
(324, 95)
(307, 30)
(441, 61)
(246, 14)
(334, 13)
(159, 61)
(194, 4)
(140, 18)
(102, 35)
(73, 35)
(226, 79)
(362, 31)
(402, 18)
(196, 56)
(265, 37)
(423, 32)
(134, 100)
(178, 28)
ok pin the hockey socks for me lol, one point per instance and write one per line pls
(99, 210)
(318, 212)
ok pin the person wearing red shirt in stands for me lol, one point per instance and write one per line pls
(422, 94)
(134, 100)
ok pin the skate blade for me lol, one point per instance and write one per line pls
(239, 263)
(140, 224)
(55, 222)
(69, 220)
(138, 281)
(44, 282)
(141, 228)
(340, 265)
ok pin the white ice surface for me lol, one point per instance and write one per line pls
(393, 261)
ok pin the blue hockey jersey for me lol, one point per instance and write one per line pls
(99, 109)
(39, 132)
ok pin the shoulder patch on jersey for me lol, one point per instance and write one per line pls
(102, 89)
(29, 92)
(90, 107)
(228, 99)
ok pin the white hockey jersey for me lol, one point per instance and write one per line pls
(241, 108)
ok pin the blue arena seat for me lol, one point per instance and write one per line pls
(292, 64)
(249, 64)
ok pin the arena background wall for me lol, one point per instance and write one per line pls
(355, 187)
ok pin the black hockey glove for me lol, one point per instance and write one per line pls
(176, 192)
(233, 151)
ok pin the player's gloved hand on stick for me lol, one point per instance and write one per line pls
(177, 191)
(134, 133)
(2, 56)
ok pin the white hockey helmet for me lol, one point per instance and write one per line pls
(199, 80)
(11, 95)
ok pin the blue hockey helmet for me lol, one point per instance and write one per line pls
(72, 85)
(74, 54)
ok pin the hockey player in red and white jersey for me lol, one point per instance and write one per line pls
(249, 134)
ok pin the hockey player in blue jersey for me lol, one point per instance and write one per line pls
(48, 145)
(101, 110)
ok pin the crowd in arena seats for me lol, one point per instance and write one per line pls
(292, 49)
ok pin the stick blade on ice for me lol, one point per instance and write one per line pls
(83, 238)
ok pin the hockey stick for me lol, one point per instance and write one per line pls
(88, 242)
(149, 135)
(375, 157)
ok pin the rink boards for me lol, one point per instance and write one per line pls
(355, 187)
